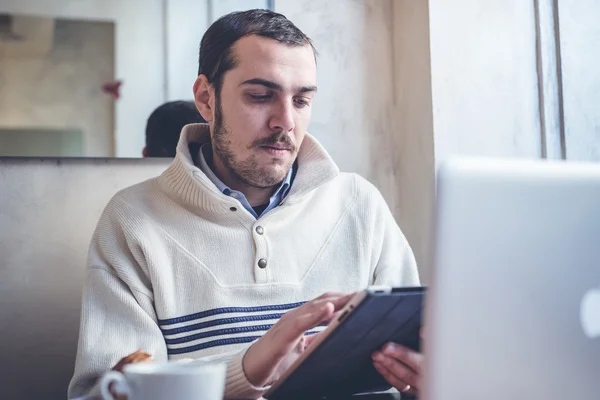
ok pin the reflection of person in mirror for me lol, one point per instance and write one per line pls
(164, 127)
(227, 254)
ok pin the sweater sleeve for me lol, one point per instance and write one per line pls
(236, 385)
(115, 321)
(394, 261)
(118, 315)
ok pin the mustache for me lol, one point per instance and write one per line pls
(280, 138)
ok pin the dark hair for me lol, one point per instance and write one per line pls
(165, 124)
(216, 57)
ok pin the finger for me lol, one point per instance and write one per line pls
(338, 301)
(333, 296)
(295, 323)
(138, 359)
(140, 356)
(329, 295)
(338, 305)
(389, 377)
(405, 355)
(328, 318)
(309, 339)
(137, 355)
(133, 358)
(323, 312)
(398, 369)
(316, 316)
(398, 383)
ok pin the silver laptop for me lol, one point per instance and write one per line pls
(514, 306)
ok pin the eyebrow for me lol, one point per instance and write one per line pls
(276, 86)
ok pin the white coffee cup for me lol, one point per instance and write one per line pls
(167, 380)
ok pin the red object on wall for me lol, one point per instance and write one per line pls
(113, 88)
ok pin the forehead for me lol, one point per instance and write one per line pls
(260, 57)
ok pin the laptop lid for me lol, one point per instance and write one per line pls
(514, 306)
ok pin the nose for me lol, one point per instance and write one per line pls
(282, 118)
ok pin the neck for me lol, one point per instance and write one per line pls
(256, 196)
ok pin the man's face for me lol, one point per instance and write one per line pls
(263, 109)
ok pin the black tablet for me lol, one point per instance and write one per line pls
(338, 362)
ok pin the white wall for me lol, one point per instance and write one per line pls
(373, 111)
(186, 21)
(467, 78)
(405, 84)
(139, 56)
(484, 78)
(466, 84)
(580, 61)
(219, 8)
(353, 111)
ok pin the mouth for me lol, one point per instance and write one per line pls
(276, 150)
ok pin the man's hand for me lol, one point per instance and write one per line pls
(401, 367)
(138, 357)
(270, 355)
(134, 358)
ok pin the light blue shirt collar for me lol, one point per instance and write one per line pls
(274, 201)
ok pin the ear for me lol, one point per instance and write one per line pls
(204, 97)
(145, 152)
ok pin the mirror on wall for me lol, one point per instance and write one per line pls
(80, 79)
(57, 91)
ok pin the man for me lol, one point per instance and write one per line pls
(220, 256)
(164, 127)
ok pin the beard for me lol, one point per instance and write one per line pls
(248, 171)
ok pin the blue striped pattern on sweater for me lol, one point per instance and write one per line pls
(220, 327)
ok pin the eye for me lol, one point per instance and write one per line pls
(301, 102)
(259, 98)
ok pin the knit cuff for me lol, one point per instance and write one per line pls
(237, 385)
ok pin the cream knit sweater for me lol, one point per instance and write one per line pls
(180, 270)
